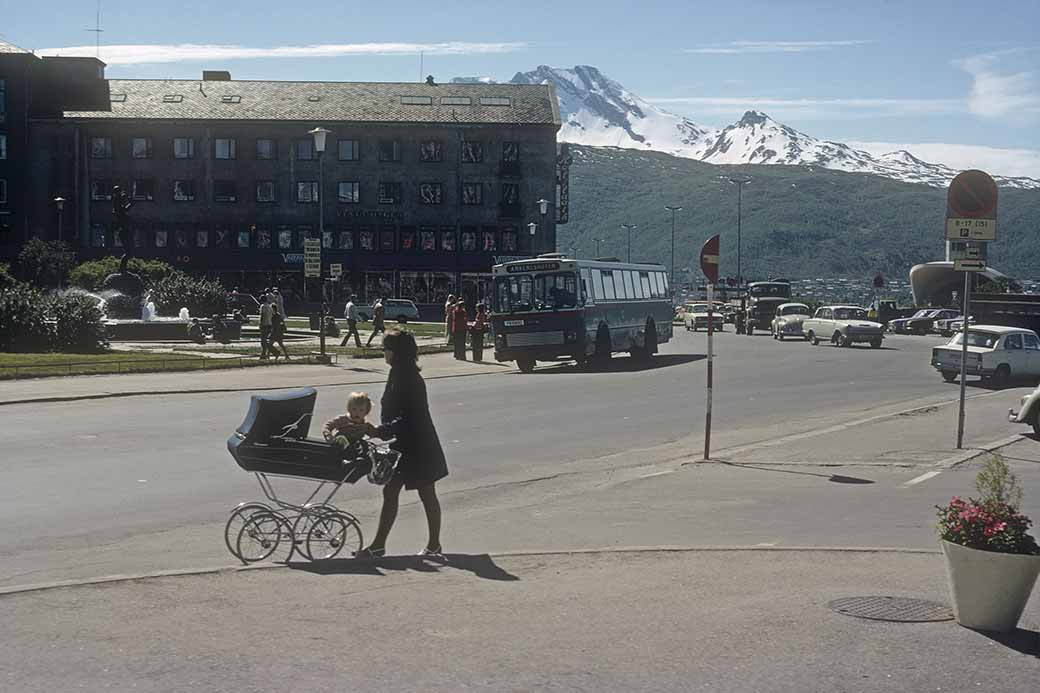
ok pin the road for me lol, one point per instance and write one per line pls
(139, 483)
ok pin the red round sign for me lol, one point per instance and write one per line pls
(710, 259)
(973, 195)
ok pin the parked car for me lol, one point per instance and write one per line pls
(400, 309)
(843, 326)
(957, 325)
(899, 325)
(995, 352)
(788, 320)
(1029, 411)
(696, 317)
(926, 323)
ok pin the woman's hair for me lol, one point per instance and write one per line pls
(404, 348)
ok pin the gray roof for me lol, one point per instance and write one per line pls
(375, 102)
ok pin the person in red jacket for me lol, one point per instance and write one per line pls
(459, 328)
(477, 332)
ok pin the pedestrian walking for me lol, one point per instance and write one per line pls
(350, 312)
(278, 328)
(378, 313)
(266, 325)
(477, 332)
(405, 416)
(449, 305)
(279, 301)
(459, 328)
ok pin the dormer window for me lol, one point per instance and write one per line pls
(456, 101)
(117, 98)
(173, 98)
(314, 98)
(495, 101)
(417, 100)
(231, 98)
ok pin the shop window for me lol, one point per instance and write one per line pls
(349, 150)
(431, 151)
(100, 189)
(367, 239)
(244, 239)
(224, 191)
(327, 239)
(469, 239)
(430, 193)
(472, 193)
(472, 152)
(224, 148)
(265, 191)
(303, 231)
(100, 147)
(183, 148)
(143, 189)
(428, 239)
(305, 149)
(448, 239)
(346, 239)
(182, 238)
(161, 238)
(263, 237)
(285, 237)
(378, 284)
(265, 149)
(489, 240)
(408, 238)
(387, 240)
(140, 235)
(141, 147)
(307, 191)
(349, 192)
(389, 150)
(201, 238)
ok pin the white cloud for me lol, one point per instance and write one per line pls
(818, 109)
(737, 47)
(995, 160)
(998, 91)
(189, 52)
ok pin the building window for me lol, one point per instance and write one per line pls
(349, 192)
(140, 236)
(472, 193)
(183, 190)
(245, 238)
(472, 152)
(327, 239)
(448, 239)
(3, 100)
(97, 235)
(201, 238)
(101, 189)
(430, 193)
(509, 236)
(387, 242)
(389, 193)
(469, 239)
(303, 232)
(100, 147)
(143, 189)
(224, 191)
(3, 146)
(265, 149)
(510, 195)
(427, 239)
(431, 151)
(183, 148)
(346, 239)
(224, 148)
(305, 150)
(349, 150)
(489, 240)
(367, 239)
(161, 238)
(265, 191)
(3, 191)
(285, 235)
(307, 191)
(263, 237)
(181, 237)
(141, 147)
(510, 152)
(222, 236)
(389, 150)
(408, 238)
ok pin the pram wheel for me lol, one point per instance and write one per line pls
(330, 533)
(238, 518)
(260, 535)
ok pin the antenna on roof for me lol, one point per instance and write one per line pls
(420, 65)
(97, 29)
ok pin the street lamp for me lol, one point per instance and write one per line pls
(319, 135)
(59, 203)
(673, 210)
(630, 227)
(740, 182)
(598, 241)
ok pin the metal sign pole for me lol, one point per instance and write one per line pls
(707, 410)
(964, 359)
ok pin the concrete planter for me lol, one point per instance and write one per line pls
(989, 589)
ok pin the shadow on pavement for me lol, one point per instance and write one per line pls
(625, 364)
(836, 478)
(1025, 641)
(481, 565)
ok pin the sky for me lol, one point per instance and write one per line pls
(952, 82)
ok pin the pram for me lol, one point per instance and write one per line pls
(273, 442)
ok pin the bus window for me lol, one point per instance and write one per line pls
(619, 284)
(664, 284)
(555, 291)
(513, 294)
(597, 285)
(630, 290)
(644, 281)
(586, 286)
(608, 285)
(658, 290)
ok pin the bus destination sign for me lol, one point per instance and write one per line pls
(534, 267)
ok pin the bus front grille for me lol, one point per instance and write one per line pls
(527, 339)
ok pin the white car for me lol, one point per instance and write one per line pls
(995, 353)
(399, 309)
(788, 320)
(843, 326)
(1029, 413)
(696, 317)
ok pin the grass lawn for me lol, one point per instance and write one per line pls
(14, 366)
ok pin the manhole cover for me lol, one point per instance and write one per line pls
(892, 609)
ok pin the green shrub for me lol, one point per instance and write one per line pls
(7, 279)
(22, 320)
(89, 275)
(78, 324)
(201, 297)
(45, 263)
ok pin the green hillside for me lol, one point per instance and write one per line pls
(798, 221)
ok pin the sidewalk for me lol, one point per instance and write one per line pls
(680, 620)
(347, 372)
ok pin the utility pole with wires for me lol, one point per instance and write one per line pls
(97, 30)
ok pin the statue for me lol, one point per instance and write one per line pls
(121, 204)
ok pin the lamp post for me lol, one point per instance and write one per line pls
(673, 210)
(630, 227)
(319, 135)
(740, 182)
(59, 203)
(598, 241)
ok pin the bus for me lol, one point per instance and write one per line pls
(556, 308)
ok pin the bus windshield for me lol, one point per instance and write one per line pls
(529, 292)
(777, 290)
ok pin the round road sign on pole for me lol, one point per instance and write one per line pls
(710, 259)
(972, 195)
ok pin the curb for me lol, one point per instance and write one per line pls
(631, 550)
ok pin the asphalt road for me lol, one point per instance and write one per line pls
(117, 485)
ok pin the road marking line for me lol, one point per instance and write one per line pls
(924, 477)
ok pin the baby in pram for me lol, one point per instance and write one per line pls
(345, 431)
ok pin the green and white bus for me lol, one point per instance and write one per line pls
(554, 308)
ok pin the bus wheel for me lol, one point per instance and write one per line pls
(525, 364)
(601, 357)
(649, 347)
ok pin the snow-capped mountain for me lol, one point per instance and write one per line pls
(597, 111)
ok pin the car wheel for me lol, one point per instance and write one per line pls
(525, 364)
(1034, 421)
(402, 319)
(949, 376)
(813, 339)
(1002, 376)
(875, 344)
(780, 336)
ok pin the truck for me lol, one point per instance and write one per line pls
(763, 298)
